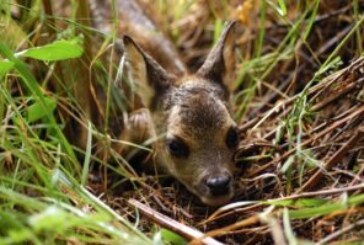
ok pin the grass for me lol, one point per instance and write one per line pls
(58, 112)
(43, 195)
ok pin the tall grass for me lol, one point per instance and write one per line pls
(43, 192)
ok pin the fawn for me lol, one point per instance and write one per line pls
(190, 114)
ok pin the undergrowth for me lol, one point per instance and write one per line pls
(298, 100)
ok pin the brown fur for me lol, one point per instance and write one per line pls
(144, 30)
(192, 109)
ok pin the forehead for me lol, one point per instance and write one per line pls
(199, 109)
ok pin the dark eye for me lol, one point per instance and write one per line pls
(177, 148)
(232, 138)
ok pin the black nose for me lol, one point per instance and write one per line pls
(219, 185)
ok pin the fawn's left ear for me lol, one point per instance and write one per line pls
(219, 65)
(150, 79)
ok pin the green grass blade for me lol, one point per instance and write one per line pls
(33, 86)
(58, 50)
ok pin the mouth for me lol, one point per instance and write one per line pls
(214, 201)
(208, 198)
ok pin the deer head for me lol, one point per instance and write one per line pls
(193, 116)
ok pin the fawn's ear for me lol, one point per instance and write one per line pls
(219, 65)
(150, 79)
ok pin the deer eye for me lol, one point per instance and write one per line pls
(177, 148)
(232, 138)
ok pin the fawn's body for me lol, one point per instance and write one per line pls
(188, 113)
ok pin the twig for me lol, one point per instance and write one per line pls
(220, 213)
(276, 231)
(325, 192)
(181, 229)
(330, 99)
(336, 39)
(252, 220)
(333, 126)
(334, 159)
(338, 233)
(313, 90)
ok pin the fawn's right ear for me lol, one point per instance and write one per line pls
(150, 78)
(219, 65)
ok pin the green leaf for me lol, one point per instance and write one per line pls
(170, 237)
(9, 221)
(326, 208)
(50, 219)
(5, 66)
(305, 213)
(18, 236)
(33, 86)
(36, 111)
(288, 164)
(298, 203)
(59, 50)
(283, 8)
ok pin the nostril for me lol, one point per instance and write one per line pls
(219, 185)
(218, 181)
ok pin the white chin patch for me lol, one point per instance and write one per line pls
(216, 201)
